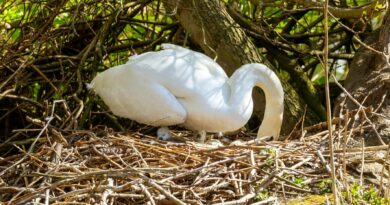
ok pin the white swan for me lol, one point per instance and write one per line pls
(179, 86)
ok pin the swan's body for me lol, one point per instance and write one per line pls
(180, 86)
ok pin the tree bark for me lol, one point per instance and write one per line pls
(368, 80)
(210, 26)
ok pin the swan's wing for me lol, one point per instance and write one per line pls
(130, 94)
(183, 72)
(174, 57)
(199, 60)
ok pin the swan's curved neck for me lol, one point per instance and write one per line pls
(242, 82)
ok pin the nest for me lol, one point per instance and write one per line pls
(55, 47)
(103, 167)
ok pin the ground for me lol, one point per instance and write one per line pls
(103, 167)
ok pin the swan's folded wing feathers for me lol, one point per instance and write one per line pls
(131, 94)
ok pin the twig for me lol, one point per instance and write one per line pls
(199, 169)
(344, 161)
(328, 106)
(34, 142)
(322, 159)
(362, 165)
(387, 158)
(366, 149)
(44, 76)
(147, 194)
(162, 190)
(243, 200)
(106, 157)
(270, 199)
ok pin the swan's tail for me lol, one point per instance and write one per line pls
(89, 86)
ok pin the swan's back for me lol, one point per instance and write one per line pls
(180, 70)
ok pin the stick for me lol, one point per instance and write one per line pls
(328, 107)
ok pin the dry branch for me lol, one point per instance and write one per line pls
(130, 168)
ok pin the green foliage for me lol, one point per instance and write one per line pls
(271, 155)
(246, 7)
(273, 15)
(61, 90)
(311, 200)
(15, 34)
(299, 182)
(364, 195)
(272, 12)
(262, 195)
(325, 186)
(339, 70)
(62, 19)
(36, 90)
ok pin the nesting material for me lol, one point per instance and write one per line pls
(131, 168)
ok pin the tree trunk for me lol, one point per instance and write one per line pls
(368, 80)
(210, 26)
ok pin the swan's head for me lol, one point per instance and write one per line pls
(164, 134)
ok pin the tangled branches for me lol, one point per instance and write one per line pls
(49, 50)
(53, 48)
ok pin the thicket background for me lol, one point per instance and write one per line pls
(49, 50)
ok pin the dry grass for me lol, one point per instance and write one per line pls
(102, 167)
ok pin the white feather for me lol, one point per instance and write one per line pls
(180, 86)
